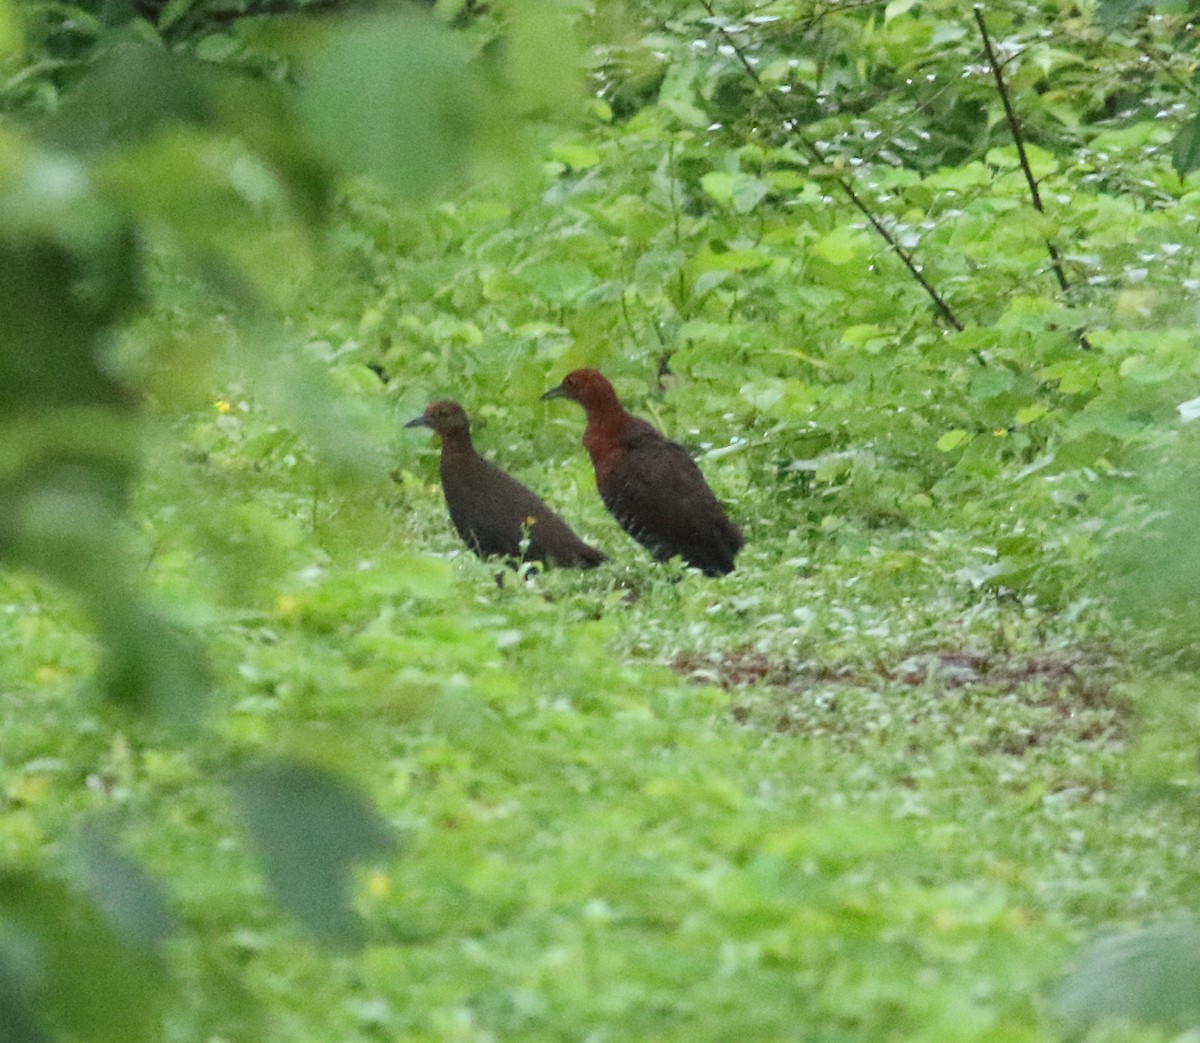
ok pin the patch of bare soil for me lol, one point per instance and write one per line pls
(1074, 688)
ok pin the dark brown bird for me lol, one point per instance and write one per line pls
(492, 511)
(650, 484)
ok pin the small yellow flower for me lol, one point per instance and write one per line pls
(378, 885)
(47, 674)
(1001, 432)
(28, 789)
(286, 605)
(222, 406)
(530, 522)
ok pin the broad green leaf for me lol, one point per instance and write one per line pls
(173, 11)
(1185, 151)
(719, 185)
(311, 828)
(10, 30)
(1151, 974)
(840, 247)
(575, 155)
(66, 970)
(1114, 14)
(131, 901)
(992, 382)
(394, 98)
(859, 335)
(1143, 370)
(952, 439)
(560, 282)
(740, 192)
(1073, 376)
(747, 193)
(731, 261)
(1041, 162)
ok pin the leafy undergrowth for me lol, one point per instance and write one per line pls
(877, 784)
(632, 803)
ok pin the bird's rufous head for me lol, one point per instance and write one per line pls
(589, 387)
(444, 417)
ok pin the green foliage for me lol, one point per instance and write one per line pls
(872, 784)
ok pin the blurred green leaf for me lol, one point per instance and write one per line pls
(132, 902)
(69, 269)
(1114, 14)
(1185, 151)
(542, 60)
(16, 1016)
(130, 93)
(10, 30)
(311, 828)
(149, 665)
(1152, 559)
(730, 261)
(394, 98)
(348, 431)
(1151, 974)
(71, 970)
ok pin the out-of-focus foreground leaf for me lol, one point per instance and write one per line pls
(131, 901)
(1152, 974)
(395, 99)
(310, 827)
(69, 272)
(1185, 153)
(65, 971)
(1153, 563)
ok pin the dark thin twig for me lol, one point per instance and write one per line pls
(847, 186)
(1014, 128)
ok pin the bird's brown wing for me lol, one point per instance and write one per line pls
(659, 496)
(494, 513)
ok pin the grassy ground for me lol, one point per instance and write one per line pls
(841, 794)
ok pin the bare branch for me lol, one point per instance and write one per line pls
(842, 182)
(1014, 128)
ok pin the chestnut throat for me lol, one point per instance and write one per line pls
(457, 443)
(606, 423)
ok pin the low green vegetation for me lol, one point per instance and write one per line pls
(888, 780)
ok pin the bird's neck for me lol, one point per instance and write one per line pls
(457, 443)
(602, 436)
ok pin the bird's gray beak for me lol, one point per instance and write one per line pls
(558, 392)
(418, 421)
